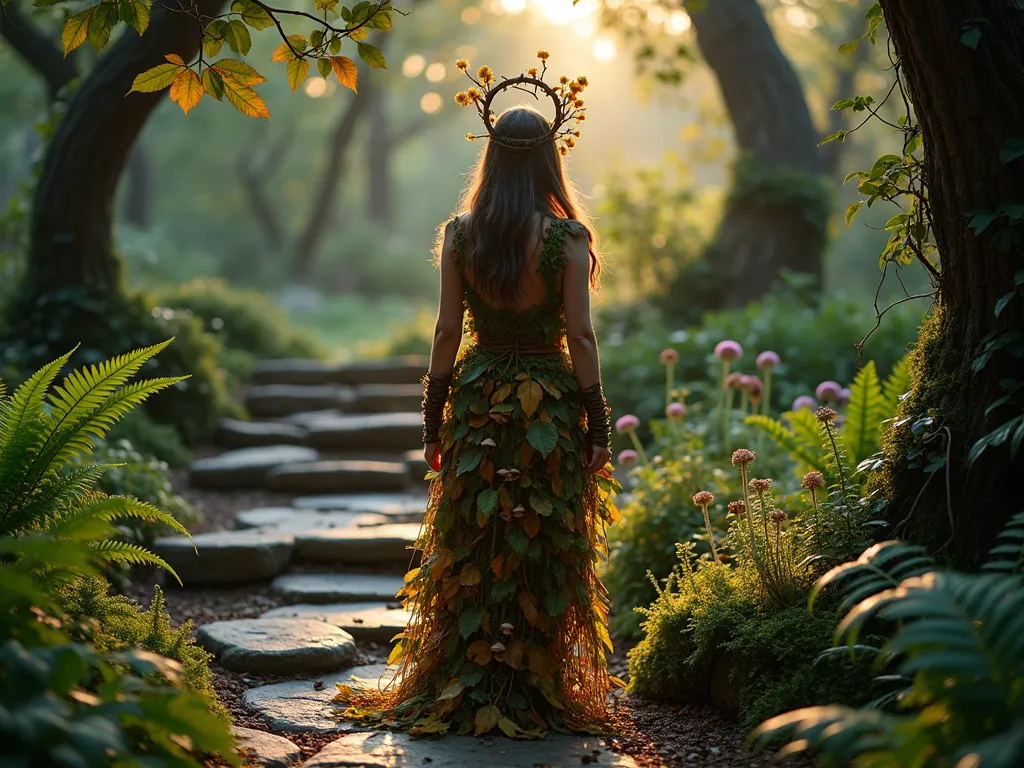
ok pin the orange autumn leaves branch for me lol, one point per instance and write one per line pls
(232, 78)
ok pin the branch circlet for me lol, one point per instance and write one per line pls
(566, 96)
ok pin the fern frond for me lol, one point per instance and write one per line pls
(110, 509)
(897, 385)
(63, 491)
(879, 567)
(1007, 556)
(789, 441)
(864, 415)
(126, 552)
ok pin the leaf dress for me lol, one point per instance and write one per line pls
(509, 618)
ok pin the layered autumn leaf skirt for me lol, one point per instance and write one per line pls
(509, 618)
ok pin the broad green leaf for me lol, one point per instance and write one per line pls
(136, 14)
(156, 79)
(518, 540)
(543, 437)
(837, 136)
(470, 460)
(186, 90)
(336, 45)
(316, 37)
(851, 212)
(213, 83)
(346, 71)
(104, 17)
(372, 56)
(323, 66)
(76, 29)
(850, 47)
(470, 620)
(252, 14)
(487, 502)
(236, 35)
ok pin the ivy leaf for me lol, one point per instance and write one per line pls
(470, 460)
(243, 98)
(487, 502)
(237, 36)
(76, 29)
(470, 676)
(186, 90)
(528, 605)
(156, 78)
(298, 69)
(252, 14)
(238, 71)
(372, 56)
(470, 620)
(345, 69)
(543, 437)
(970, 36)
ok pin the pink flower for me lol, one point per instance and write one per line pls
(669, 356)
(627, 423)
(728, 350)
(844, 395)
(828, 391)
(805, 401)
(675, 410)
(628, 457)
(767, 359)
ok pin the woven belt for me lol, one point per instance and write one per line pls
(512, 349)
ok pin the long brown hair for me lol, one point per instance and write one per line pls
(509, 187)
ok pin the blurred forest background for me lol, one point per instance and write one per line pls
(215, 196)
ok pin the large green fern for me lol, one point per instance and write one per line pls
(864, 415)
(896, 386)
(43, 429)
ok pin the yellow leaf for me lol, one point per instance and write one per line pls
(175, 59)
(528, 605)
(76, 29)
(508, 727)
(155, 79)
(453, 689)
(486, 718)
(480, 652)
(450, 588)
(358, 34)
(297, 71)
(513, 655)
(186, 90)
(502, 393)
(602, 632)
(238, 71)
(397, 653)
(410, 575)
(237, 36)
(442, 564)
(551, 389)
(286, 51)
(470, 575)
(618, 682)
(243, 98)
(530, 394)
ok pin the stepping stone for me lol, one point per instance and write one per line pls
(322, 588)
(388, 398)
(306, 419)
(396, 370)
(265, 750)
(301, 706)
(375, 545)
(383, 749)
(296, 520)
(278, 646)
(377, 432)
(378, 503)
(246, 467)
(417, 466)
(338, 476)
(274, 400)
(233, 433)
(366, 622)
(227, 557)
(298, 372)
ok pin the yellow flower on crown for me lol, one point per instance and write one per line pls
(570, 141)
(563, 150)
(485, 75)
(563, 80)
(532, 72)
(580, 118)
(543, 55)
(462, 64)
(474, 94)
(578, 103)
(470, 137)
(575, 88)
(462, 98)
(582, 80)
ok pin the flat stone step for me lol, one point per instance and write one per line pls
(385, 749)
(366, 622)
(376, 545)
(234, 433)
(276, 400)
(397, 432)
(307, 419)
(301, 706)
(227, 557)
(396, 370)
(294, 371)
(246, 467)
(388, 398)
(293, 520)
(322, 588)
(338, 477)
(278, 646)
(378, 503)
(265, 750)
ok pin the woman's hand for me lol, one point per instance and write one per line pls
(597, 457)
(432, 453)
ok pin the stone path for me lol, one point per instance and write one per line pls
(344, 440)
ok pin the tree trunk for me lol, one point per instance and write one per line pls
(72, 221)
(138, 202)
(379, 153)
(776, 216)
(968, 102)
(37, 49)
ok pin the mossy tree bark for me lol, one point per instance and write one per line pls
(970, 102)
(771, 222)
(71, 236)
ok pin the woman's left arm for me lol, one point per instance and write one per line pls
(448, 328)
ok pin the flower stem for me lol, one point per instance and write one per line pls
(722, 404)
(639, 448)
(711, 535)
(670, 371)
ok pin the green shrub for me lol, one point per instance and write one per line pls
(98, 327)
(160, 441)
(249, 324)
